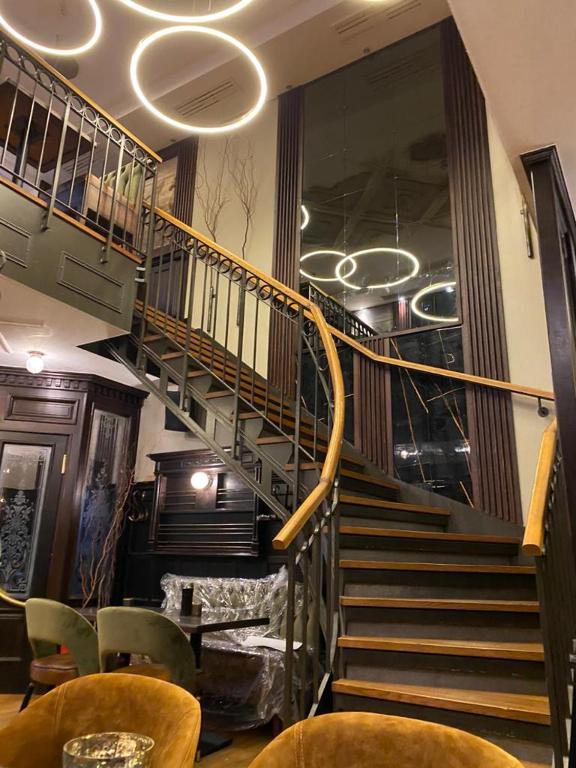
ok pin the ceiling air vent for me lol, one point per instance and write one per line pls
(211, 98)
(359, 22)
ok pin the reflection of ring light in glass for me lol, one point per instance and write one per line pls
(353, 256)
(324, 252)
(60, 51)
(305, 217)
(178, 19)
(143, 45)
(424, 292)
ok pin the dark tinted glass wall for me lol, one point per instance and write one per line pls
(376, 203)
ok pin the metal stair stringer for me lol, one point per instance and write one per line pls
(269, 464)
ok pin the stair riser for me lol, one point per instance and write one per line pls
(422, 584)
(535, 738)
(388, 518)
(467, 673)
(442, 625)
(358, 487)
(428, 545)
(420, 555)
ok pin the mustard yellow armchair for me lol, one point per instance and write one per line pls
(366, 740)
(99, 703)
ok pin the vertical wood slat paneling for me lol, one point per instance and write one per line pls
(287, 227)
(371, 413)
(495, 474)
(186, 180)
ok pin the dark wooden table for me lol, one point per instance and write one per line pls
(196, 626)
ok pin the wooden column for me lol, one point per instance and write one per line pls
(495, 471)
(372, 425)
(287, 226)
(186, 152)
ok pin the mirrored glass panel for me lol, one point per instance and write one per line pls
(429, 416)
(23, 478)
(376, 224)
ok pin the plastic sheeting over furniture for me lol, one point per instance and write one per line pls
(242, 683)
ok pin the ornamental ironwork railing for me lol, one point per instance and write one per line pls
(68, 153)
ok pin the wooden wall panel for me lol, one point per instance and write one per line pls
(372, 427)
(287, 226)
(495, 475)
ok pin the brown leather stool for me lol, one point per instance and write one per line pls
(50, 670)
(50, 626)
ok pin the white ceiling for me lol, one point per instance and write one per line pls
(33, 322)
(284, 33)
(524, 53)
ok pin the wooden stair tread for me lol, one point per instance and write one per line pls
(509, 706)
(377, 565)
(365, 501)
(479, 649)
(394, 533)
(500, 606)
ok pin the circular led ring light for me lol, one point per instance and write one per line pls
(324, 252)
(143, 45)
(305, 217)
(60, 51)
(174, 17)
(353, 256)
(424, 292)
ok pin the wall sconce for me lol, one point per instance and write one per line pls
(200, 481)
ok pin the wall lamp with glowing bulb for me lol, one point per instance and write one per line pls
(201, 481)
(35, 362)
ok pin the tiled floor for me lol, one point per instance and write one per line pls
(240, 754)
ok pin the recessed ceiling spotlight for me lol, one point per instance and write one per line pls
(179, 19)
(415, 303)
(35, 362)
(60, 51)
(399, 251)
(144, 44)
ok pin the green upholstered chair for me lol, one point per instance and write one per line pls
(50, 625)
(101, 703)
(367, 740)
(146, 633)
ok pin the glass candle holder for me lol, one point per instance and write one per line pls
(109, 750)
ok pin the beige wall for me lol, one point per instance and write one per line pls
(526, 331)
(153, 438)
(261, 136)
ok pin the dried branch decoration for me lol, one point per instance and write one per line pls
(242, 175)
(212, 194)
(99, 580)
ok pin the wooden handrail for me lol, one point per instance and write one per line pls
(305, 511)
(59, 76)
(504, 386)
(533, 543)
(5, 597)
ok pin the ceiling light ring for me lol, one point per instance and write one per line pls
(325, 252)
(305, 217)
(424, 292)
(86, 46)
(181, 19)
(391, 284)
(144, 44)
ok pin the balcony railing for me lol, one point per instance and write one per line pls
(74, 159)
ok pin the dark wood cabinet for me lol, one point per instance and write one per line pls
(65, 440)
